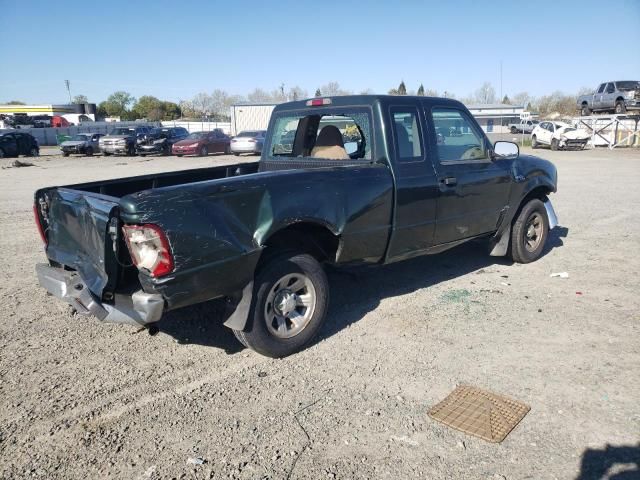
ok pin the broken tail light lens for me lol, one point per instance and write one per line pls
(36, 214)
(149, 249)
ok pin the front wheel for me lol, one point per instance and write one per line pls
(554, 144)
(34, 152)
(620, 108)
(530, 232)
(289, 305)
(106, 154)
(585, 111)
(204, 151)
(514, 130)
(89, 152)
(534, 142)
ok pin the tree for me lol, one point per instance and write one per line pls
(117, 105)
(221, 102)
(420, 91)
(259, 96)
(521, 98)
(318, 93)
(148, 107)
(78, 99)
(202, 104)
(505, 100)
(485, 94)
(402, 89)
(15, 102)
(430, 92)
(332, 89)
(171, 111)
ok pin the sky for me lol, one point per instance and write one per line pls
(175, 49)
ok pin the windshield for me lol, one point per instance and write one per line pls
(196, 136)
(628, 85)
(248, 134)
(123, 131)
(79, 138)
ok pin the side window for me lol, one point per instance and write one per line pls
(406, 131)
(601, 88)
(457, 137)
(610, 88)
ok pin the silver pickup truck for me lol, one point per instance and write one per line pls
(616, 97)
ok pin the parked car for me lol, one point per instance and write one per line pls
(523, 126)
(84, 143)
(160, 141)
(249, 141)
(559, 136)
(14, 144)
(122, 140)
(203, 143)
(128, 250)
(616, 97)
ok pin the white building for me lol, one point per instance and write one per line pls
(495, 117)
(250, 116)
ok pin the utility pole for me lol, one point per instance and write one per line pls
(68, 85)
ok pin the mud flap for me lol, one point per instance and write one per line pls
(501, 245)
(238, 318)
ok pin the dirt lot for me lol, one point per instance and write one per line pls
(85, 400)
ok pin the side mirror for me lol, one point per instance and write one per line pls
(505, 151)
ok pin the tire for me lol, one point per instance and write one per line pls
(89, 152)
(65, 154)
(585, 111)
(227, 150)
(178, 155)
(554, 144)
(276, 335)
(106, 154)
(1, 153)
(34, 152)
(534, 142)
(204, 151)
(514, 130)
(620, 108)
(131, 151)
(237, 154)
(529, 232)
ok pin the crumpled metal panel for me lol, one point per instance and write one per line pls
(77, 234)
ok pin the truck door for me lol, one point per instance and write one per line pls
(609, 98)
(598, 97)
(473, 189)
(416, 185)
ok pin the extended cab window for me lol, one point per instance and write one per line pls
(327, 133)
(407, 134)
(457, 138)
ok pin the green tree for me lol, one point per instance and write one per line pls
(117, 105)
(420, 91)
(80, 99)
(505, 100)
(148, 107)
(318, 93)
(402, 89)
(15, 102)
(171, 111)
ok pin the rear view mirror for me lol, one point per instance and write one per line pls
(506, 150)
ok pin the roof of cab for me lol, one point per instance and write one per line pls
(354, 100)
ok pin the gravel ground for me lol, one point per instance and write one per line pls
(85, 400)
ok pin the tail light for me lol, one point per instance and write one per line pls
(36, 214)
(149, 249)
(252, 140)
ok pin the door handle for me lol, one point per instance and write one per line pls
(449, 181)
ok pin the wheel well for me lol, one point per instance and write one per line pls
(620, 99)
(585, 104)
(540, 192)
(311, 238)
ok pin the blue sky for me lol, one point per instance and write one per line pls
(176, 49)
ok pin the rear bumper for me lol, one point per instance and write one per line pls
(138, 309)
(245, 148)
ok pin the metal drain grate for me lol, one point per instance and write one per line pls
(478, 412)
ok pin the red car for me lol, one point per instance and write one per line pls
(202, 143)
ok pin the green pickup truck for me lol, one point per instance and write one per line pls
(353, 180)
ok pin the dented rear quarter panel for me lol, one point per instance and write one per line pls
(217, 229)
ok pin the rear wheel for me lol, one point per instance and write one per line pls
(554, 144)
(237, 154)
(204, 151)
(514, 130)
(530, 232)
(534, 142)
(290, 299)
(34, 152)
(106, 154)
(89, 151)
(178, 155)
(65, 154)
(227, 149)
(620, 107)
